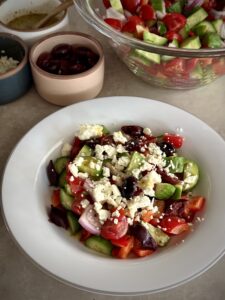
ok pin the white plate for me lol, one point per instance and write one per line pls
(25, 199)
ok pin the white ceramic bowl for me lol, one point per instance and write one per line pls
(10, 9)
(67, 259)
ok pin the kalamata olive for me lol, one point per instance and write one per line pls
(43, 60)
(129, 187)
(76, 147)
(77, 68)
(167, 178)
(107, 140)
(136, 144)
(92, 142)
(53, 66)
(64, 67)
(62, 51)
(167, 148)
(142, 234)
(52, 174)
(132, 130)
(58, 217)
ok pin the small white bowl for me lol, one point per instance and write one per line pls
(11, 9)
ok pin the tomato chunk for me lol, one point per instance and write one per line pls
(173, 225)
(195, 203)
(122, 242)
(174, 139)
(174, 21)
(112, 231)
(123, 252)
(55, 198)
(116, 24)
(147, 13)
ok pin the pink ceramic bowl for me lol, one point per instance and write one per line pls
(67, 89)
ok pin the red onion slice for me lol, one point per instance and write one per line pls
(89, 220)
(217, 14)
(193, 3)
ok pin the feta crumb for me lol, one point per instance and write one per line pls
(103, 215)
(118, 137)
(115, 221)
(116, 213)
(84, 203)
(105, 151)
(147, 131)
(106, 172)
(120, 149)
(66, 149)
(87, 131)
(7, 64)
(148, 182)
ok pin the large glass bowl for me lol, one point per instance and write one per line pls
(178, 69)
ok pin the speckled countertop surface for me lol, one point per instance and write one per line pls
(19, 278)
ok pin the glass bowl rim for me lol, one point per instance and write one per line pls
(85, 10)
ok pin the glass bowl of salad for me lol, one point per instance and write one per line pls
(171, 44)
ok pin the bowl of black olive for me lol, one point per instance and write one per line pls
(67, 67)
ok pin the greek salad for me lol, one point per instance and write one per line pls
(190, 24)
(124, 193)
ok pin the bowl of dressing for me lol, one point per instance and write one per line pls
(19, 18)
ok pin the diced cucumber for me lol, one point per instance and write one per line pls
(135, 162)
(145, 57)
(175, 164)
(191, 43)
(176, 7)
(117, 5)
(86, 167)
(157, 234)
(164, 190)
(60, 163)
(158, 5)
(217, 24)
(161, 28)
(66, 200)
(62, 179)
(196, 17)
(97, 243)
(178, 192)
(203, 27)
(85, 151)
(74, 225)
(173, 44)
(197, 73)
(68, 189)
(212, 40)
(153, 38)
(191, 175)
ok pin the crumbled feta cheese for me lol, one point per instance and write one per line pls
(78, 161)
(106, 172)
(148, 181)
(115, 221)
(73, 169)
(103, 214)
(118, 137)
(7, 64)
(66, 149)
(84, 203)
(123, 161)
(147, 131)
(105, 151)
(116, 213)
(87, 131)
(120, 149)
(156, 156)
(139, 202)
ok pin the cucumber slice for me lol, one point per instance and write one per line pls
(158, 5)
(74, 225)
(191, 175)
(178, 192)
(164, 190)
(86, 167)
(135, 162)
(85, 151)
(66, 200)
(161, 28)
(61, 163)
(62, 179)
(157, 234)
(153, 38)
(217, 24)
(212, 40)
(68, 189)
(203, 28)
(117, 5)
(97, 243)
(191, 43)
(145, 57)
(196, 17)
(176, 7)
(175, 164)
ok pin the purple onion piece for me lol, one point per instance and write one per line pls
(58, 217)
(142, 234)
(52, 174)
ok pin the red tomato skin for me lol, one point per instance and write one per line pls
(175, 140)
(195, 204)
(147, 13)
(76, 184)
(112, 231)
(122, 242)
(209, 4)
(106, 3)
(174, 68)
(84, 235)
(172, 35)
(55, 198)
(174, 225)
(174, 21)
(77, 145)
(131, 5)
(116, 24)
(123, 252)
(130, 25)
(76, 206)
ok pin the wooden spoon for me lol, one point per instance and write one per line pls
(54, 12)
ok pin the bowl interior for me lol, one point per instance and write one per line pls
(11, 48)
(10, 9)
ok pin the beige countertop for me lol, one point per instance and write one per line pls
(19, 278)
